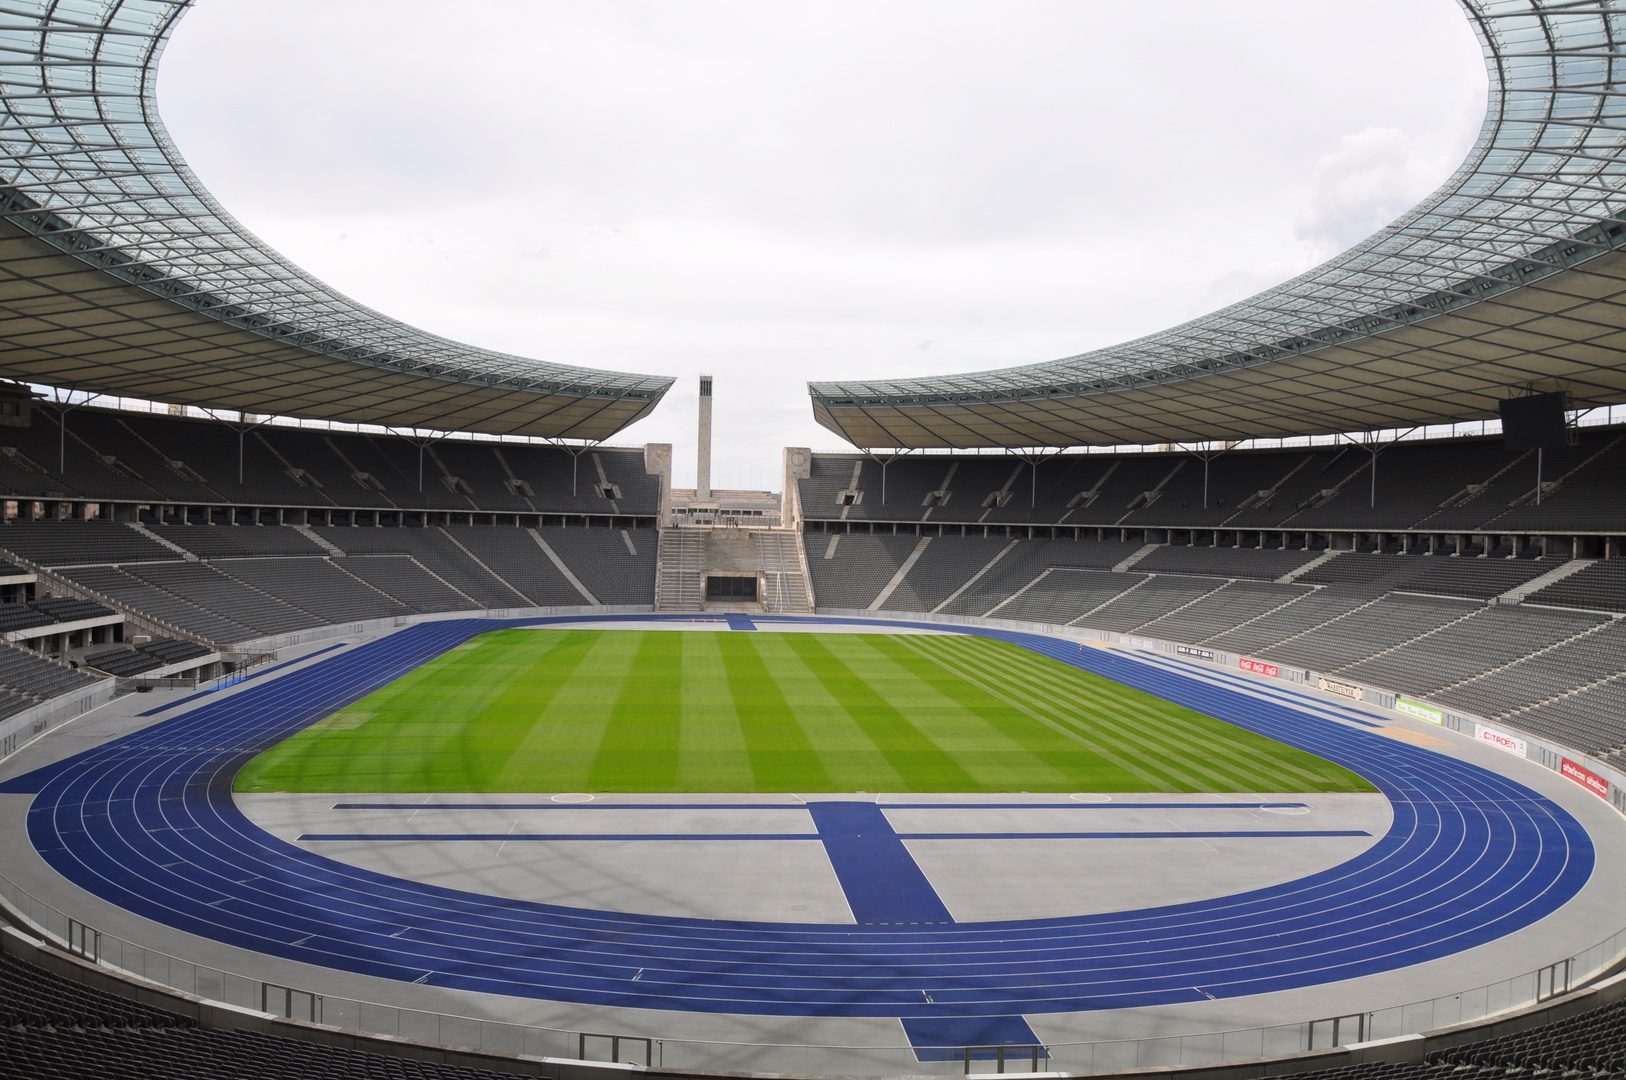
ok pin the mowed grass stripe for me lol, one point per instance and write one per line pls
(1244, 750)
(782, 757)
(843, 746)
(908, 750)
(973, 729)
(645, 727)
(1117, 707)
(1094, 718)
(524, 710)
(431, 744)
(1122, 712)
(1056, 754)
(713, 742)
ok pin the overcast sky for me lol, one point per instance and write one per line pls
(777, 192)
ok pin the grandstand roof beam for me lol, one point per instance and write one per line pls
(120, 273)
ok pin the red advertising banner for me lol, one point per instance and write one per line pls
(1586, 778)
(1259, 667)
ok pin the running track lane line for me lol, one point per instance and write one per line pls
(147, 822)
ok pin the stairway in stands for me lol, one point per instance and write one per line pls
(687, 555)
(784, 574)
(680, 570)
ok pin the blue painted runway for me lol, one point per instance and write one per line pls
(147, 822)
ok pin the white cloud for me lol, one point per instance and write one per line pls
(777, 193)
(1372, 178)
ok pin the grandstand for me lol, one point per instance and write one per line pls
(1212, 505)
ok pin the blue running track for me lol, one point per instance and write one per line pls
(147, 822)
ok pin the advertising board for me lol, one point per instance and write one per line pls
(1586, 778)
(1138, 642)
(1502, 740)
(1259, 667)
(1189, 650)
(1332, 686)
(1420, 711)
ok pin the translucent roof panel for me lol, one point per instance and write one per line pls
(1538, 197)
(87, 169)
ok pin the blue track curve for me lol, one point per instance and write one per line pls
(147, 822)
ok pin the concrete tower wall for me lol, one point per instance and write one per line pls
(702, 471)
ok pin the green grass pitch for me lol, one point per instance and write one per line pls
(702, 711)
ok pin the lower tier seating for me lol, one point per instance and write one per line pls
(1415, 624)
(52, 1028)
(229, 596)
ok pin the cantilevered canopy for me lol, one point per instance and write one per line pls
(120, 274)
(1510, 273)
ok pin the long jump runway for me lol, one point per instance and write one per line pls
(148, 822)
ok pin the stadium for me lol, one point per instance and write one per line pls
(1247, 699)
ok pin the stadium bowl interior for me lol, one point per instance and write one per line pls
(998, 743)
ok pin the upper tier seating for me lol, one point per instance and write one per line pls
(1324, 488)
(144, 458)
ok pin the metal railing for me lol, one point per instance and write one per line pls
(499, 1037)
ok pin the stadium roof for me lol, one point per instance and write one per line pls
(120, 274)
(1511, 273)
